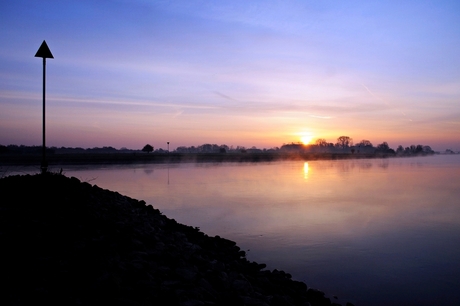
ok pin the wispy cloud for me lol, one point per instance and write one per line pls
(321, 117)
(127, 102)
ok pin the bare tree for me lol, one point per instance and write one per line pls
(344, 142)
(383, 147)
(364, 143)
(321, 142)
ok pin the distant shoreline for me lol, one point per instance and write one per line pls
(135, 158)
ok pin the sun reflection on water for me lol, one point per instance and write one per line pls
(305, 170)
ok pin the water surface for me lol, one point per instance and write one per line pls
(370, 231)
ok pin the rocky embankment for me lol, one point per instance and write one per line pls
(64, 242)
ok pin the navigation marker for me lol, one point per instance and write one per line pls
(45, 53)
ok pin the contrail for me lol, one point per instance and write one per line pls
(378, 98)
(224, 96)
(384, 101)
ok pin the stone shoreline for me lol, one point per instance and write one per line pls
(65, 242)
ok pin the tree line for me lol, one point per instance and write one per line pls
(344, 144)
(31, 150)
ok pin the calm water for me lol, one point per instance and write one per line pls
(372, 232)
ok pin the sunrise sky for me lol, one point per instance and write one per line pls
(250, 73)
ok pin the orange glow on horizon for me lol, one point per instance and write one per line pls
(306, 138)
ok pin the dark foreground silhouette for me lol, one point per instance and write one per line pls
(64, 242)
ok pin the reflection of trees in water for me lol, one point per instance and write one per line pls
(148, 171)
(322, 165)
(355, 165)
(344, 166)
(209, 165)
(384, 163)
(365, 165)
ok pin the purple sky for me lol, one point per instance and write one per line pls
(251, 73)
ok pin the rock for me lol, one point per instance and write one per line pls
(69, 243)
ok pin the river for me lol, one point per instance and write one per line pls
(367, 231)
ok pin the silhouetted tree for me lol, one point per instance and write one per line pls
(344, 142)
(364, 143)
(427, 149)
(224, 147)
(383, 147)
(415, 150)
(321, 142)
(147, 148)
(241, 149)
(321, 145)
(3, 149)
(293, 146)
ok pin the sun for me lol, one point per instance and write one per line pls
(306, 138)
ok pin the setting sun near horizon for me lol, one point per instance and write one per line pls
(306, 138)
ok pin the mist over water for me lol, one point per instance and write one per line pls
(370, 231)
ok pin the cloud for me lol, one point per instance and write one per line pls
(10, 95)
(321, 117)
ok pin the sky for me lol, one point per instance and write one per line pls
(248, 73)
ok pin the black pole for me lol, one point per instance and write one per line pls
(44, 52)
(44, 164)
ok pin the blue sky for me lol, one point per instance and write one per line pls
(260, 73)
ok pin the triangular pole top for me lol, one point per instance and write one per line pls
(44, 51)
